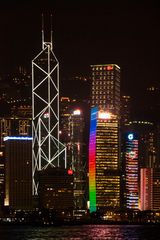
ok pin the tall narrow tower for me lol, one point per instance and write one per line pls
(104, 144)
(48, 151)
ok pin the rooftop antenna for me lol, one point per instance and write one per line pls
(51, 32)
(42, 32)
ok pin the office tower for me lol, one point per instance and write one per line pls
(2, 177)
(148, 144)
(125, 110)
(65, 111)
(104, 175)
(56, 189)
(18, 172)
(76, 158)
(47, 149)
(156, 189)
(132, 172)
(146, 189)
(72, 133)
(150, 189)
(10, 126)
(106, 87)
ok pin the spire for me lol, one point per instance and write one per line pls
(51, 31)
(42, 32)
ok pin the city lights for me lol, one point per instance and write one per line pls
(77, 112)
(104, 115)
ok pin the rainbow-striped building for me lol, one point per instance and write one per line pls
(104, 176)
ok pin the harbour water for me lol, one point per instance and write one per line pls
(77, 232)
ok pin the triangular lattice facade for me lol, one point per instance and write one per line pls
(47, 149)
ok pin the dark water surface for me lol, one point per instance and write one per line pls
(85, 232)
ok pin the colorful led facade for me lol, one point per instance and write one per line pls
(92, 159)
(104, 176)
(131, 171)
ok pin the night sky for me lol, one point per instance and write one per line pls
(85, 33)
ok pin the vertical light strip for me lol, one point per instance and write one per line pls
(92, 159)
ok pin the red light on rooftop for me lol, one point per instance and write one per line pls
(109, 68)
(70, 172)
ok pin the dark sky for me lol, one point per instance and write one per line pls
(85, 33)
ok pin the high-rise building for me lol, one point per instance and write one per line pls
(104, 142)
(47, 148)
(150, 189)
(132, 172)
(125, 109)
(104, 175)
(10, 126)
(56, 189)
(146, 189)
(18, 172)
(76, 158)
(106, 87)
(2, 177)
(148, 142)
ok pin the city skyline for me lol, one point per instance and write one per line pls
(85, 34)
(107, 149)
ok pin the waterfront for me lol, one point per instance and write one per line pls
(77, 232)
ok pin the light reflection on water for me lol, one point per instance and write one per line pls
(85, 232)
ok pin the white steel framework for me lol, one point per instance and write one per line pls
(46, 147)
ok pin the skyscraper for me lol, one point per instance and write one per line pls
(150, 189)
(132, 172)
(105, 91)
(76, 157)
(104, 174)
(18, 173)
(47, 149)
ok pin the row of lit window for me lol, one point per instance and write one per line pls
(104, 83)
(108, 87)
(101, 73)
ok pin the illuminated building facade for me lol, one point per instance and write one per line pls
(18, 172)
(146, 189)
(14, 127)
(106, 87)
(156, 189)
(104, 175)
(2, 177)
(150, 189)
(132, 172)
(76, 158)
(148, 144)
(47, 148)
